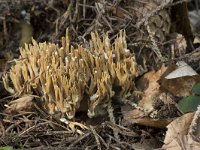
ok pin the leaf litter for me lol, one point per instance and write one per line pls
(141, 123)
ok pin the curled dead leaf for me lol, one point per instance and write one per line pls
(21, 104)
(178, 127)
(179, 135)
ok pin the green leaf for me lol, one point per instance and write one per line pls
(189, 104)
(196, 88)
(6, 148)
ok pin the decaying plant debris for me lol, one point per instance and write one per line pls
(66, 76)
(149, 27)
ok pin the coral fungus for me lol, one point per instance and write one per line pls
(65, 77)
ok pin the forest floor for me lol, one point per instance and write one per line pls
(163, 36)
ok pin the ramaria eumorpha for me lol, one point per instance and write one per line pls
(66, 76)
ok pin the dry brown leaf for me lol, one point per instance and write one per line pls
(180, 86)
(21, 104)
(183, 70)
(178, 127)
(182, 143)
(177, 137)
(151, 88)
(132, 116)
(180, 81)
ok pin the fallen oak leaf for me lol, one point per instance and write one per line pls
(178, 135)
